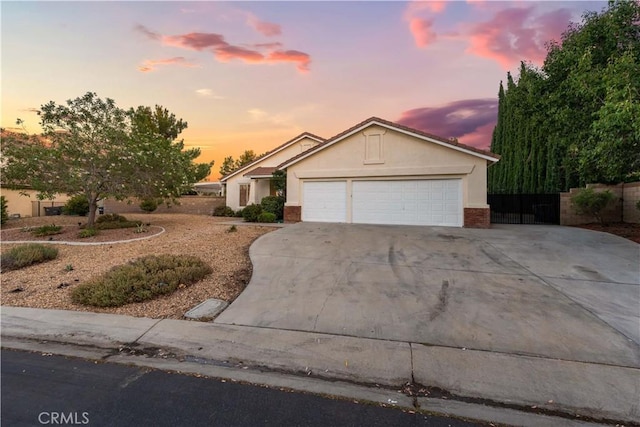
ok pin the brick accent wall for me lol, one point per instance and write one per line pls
(477, 217)
(292, 214)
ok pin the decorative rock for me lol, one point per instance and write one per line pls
(207, 309)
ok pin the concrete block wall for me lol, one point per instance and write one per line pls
(631, 195)
(195, 205)
(621, 210)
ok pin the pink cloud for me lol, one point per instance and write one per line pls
(151, 64)
(224, 51)
(195, 41)
(228, 52)
(435, 6)
(421, 27)
(147, 32)
(470, 120)
(515, 34)
(422, 31)
(268, 29)
(302, 59)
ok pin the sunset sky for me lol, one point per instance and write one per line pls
(252, 75)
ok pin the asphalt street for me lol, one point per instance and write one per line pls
(43, 389)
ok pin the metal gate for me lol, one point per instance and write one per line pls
(524, 208)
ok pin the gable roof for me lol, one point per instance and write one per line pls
(450, 143)
(272, 152)
(261, 171)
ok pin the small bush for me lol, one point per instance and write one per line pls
(87, 232)
(114, 225)
(232, 229)
(141, 280)
(113, 221)
(239, 213)
(26, 255)
(592, 203)
(77, 205)
(266, 217)
(251, 212)
(47, 230)
(111, 218)
(4, 215)
(223, 211)
(274, 205)
(149, 205)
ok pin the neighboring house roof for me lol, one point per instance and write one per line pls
(272, 152)
(215, 186)
(261, 172)
(451, 143)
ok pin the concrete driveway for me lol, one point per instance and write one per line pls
(546, 291)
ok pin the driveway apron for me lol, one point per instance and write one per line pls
(546, 291)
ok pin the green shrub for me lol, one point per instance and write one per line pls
(26, 255)
(113, 221)
(592, 203)
(4, 215)
(251, 212)
(47, 230)
(232, 229)
(111, 218)
(239, 213)
(87, 232)
(274, 205)
(223, 211)
(77, 205)
(118, 224)
(266, 217)
(149, 205)
(141, 280)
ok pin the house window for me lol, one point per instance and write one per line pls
(374, 146)
(244, 194)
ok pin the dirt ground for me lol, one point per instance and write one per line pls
(622, 229)
(49, 285)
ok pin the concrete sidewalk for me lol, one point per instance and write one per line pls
(364, 368)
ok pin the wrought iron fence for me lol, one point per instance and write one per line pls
(524, 208)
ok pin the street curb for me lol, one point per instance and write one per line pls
(331, 359)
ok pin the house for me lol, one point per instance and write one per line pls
(25, 203)
(380, 172)
(250, 183)
(209, 188)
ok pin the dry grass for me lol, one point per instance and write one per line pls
(49, 285)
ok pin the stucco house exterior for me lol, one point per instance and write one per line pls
(25, 203)
(250, 183)
(380, 172)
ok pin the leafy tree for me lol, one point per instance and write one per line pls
(577, 119)
(228, 166)
(245, 158)
(92, 147)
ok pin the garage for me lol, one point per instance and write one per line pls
(325, 201)
(408, 202)
(380, 172)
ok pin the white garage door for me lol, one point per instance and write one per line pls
(324, 201)
(414, 202)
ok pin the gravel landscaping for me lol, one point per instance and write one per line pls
(49, 285)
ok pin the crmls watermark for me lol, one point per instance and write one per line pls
(63, 418)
